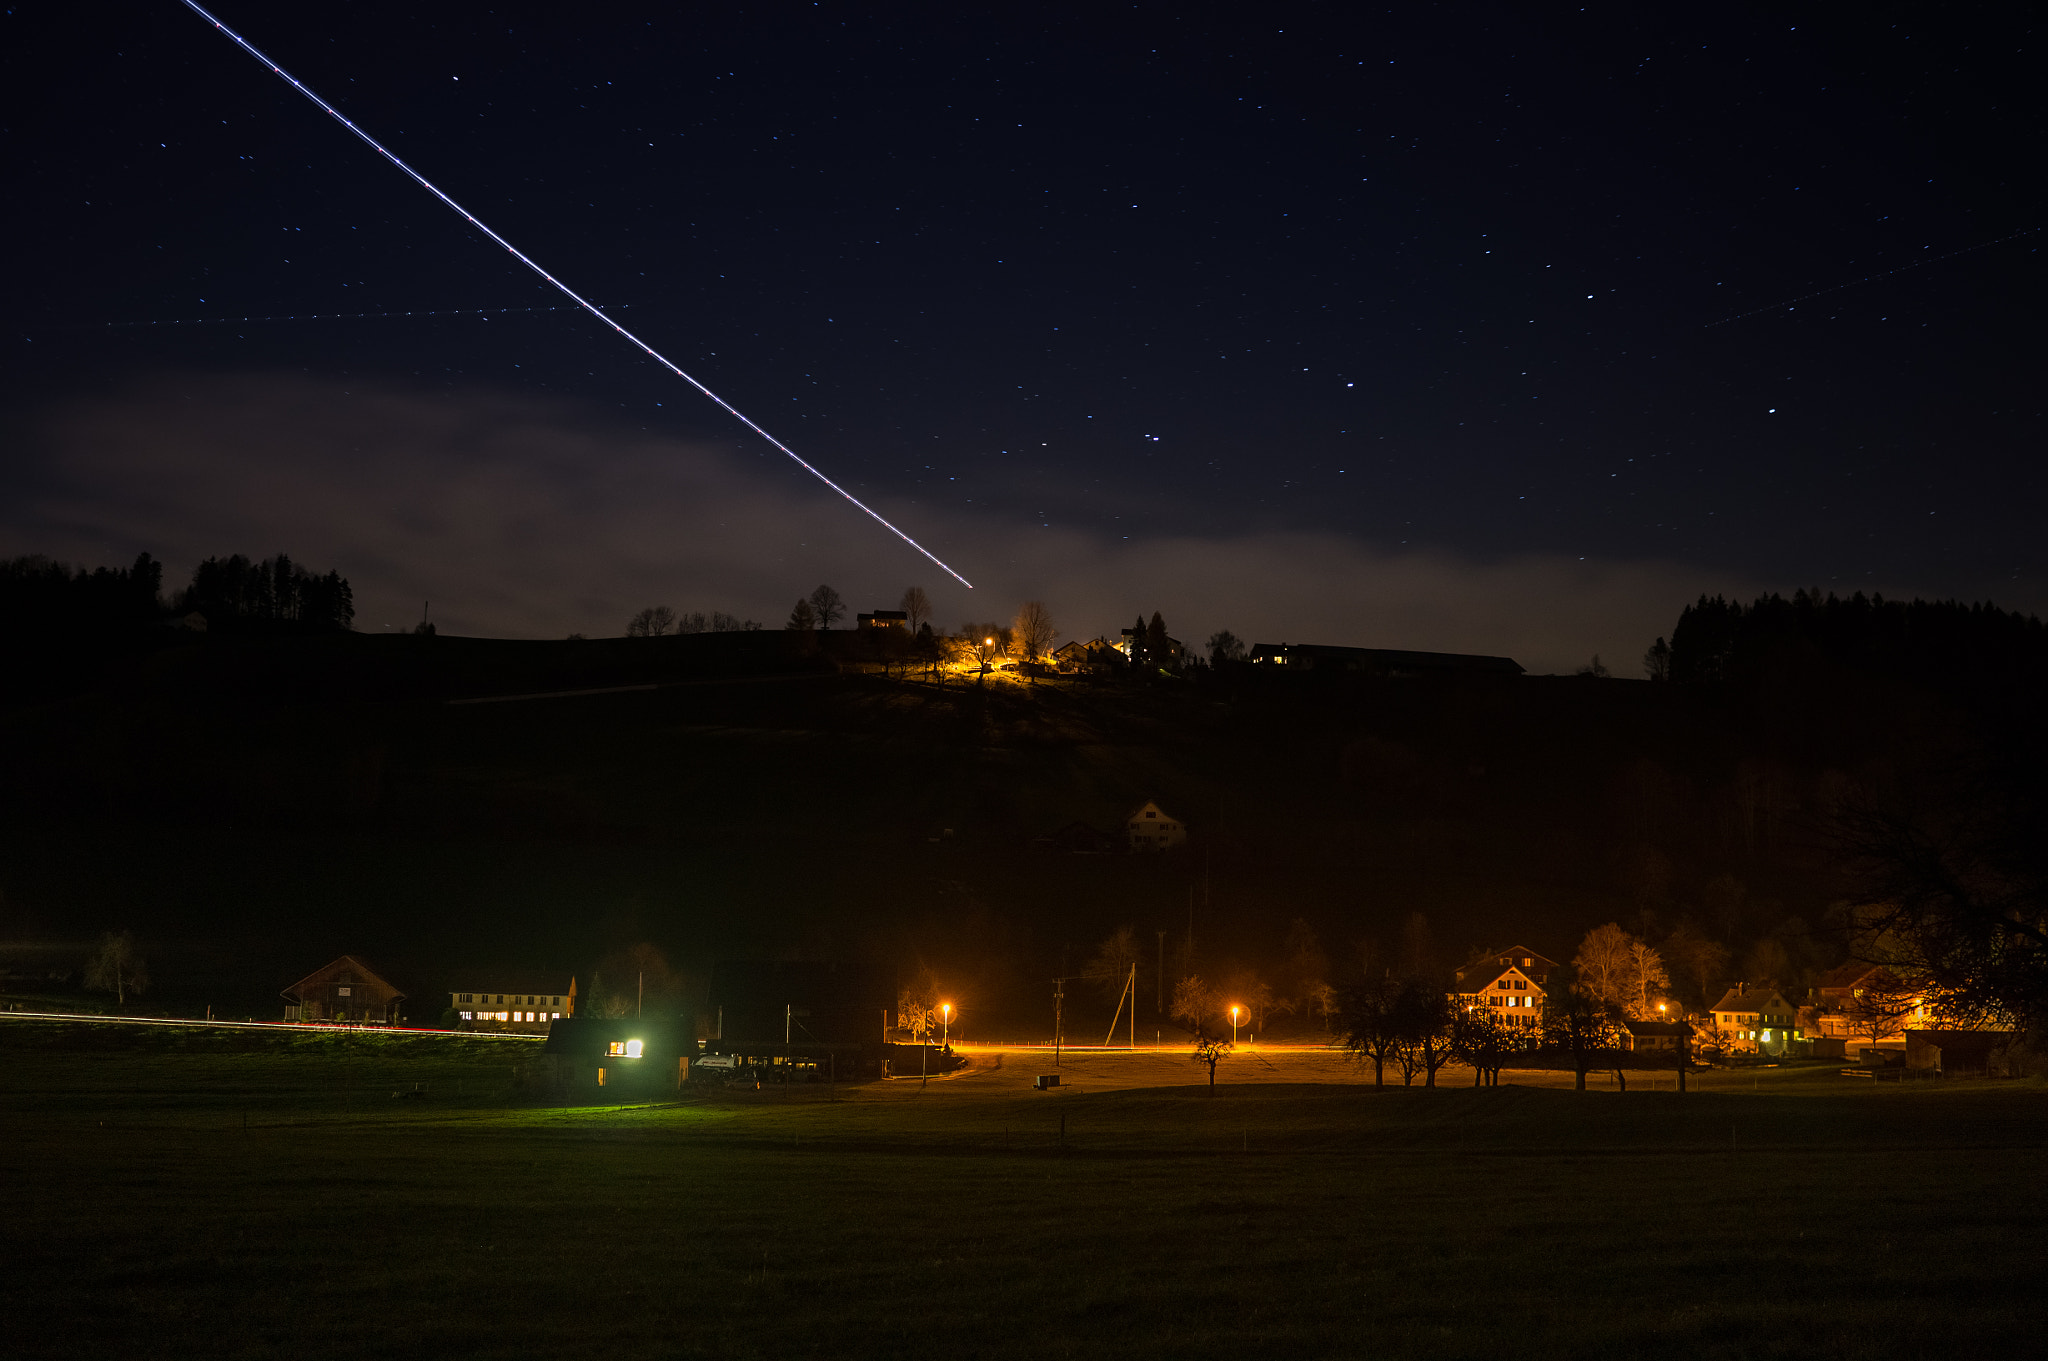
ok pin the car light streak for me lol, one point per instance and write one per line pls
(568, 292)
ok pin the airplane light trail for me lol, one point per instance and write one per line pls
(339, 316)
(1790, 303)
(568, 292)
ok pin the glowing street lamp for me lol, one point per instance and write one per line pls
(945, 1022)
(1235, 1011)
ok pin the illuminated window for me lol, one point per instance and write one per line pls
(466, 1016)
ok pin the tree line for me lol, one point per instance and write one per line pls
(43, 596)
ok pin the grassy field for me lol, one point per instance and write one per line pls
(241, 1197)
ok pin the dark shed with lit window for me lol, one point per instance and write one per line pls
(643, 1056)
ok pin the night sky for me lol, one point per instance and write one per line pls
(1505, 329)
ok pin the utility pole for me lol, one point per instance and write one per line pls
(640, 1001)
(1059, 997)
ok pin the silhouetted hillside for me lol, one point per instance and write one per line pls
(266, 803)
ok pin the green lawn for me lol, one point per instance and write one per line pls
(245, 1198)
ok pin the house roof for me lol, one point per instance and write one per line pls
(1139, 812)
(1538, 968)
(1846, 976)
(1642, 1029)
(522, 981)
(364, 973)
(1762, 1000)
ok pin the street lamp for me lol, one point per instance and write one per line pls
(1234, 1011)
(945, 1023)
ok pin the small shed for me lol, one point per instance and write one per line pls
(345, 991)
(1955, 1052)
(638, 1056)
(1652, 1036)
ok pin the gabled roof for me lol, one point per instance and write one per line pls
(1846, 976)
(1537, 968)
(362, 971)
(1764, 999)
(555, 984)
(1139, 812)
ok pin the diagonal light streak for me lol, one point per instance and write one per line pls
(570, 293)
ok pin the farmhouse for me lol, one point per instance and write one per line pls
(516, 1003)
(344, 991)
(1150, 829)
(1509, 983)
(1760, 1022)
(899, 620)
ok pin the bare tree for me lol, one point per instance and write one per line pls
(1370, 1013)
(1699, 961)
(917, 607)
(1581, 1025)
(826, 604)
(117, 966)
(693, 622)
(1478, 1037)
(1225, 646)
(1034, 630)
(1648, 979)
(1210, 1051)
(1307, 970)
(652, 622)
(1110, 969)
(1193, 1002)
(1880, 1007)
(1603, 964)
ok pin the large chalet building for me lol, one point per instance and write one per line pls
(1509, 984)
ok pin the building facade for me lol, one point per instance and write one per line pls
(1756, 1021)
(1508, 983)
(345, 992)
(1151, 829)
(515, 1004)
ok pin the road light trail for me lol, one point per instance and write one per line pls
(570, 293)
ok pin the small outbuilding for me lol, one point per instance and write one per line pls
(346, 992)
(1956, 1053)
(637, 1056)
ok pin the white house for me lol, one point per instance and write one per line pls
(1150, 829)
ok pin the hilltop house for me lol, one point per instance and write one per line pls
(344, 991)
(1150, 829)
(516, 1003)
(898, 620)
(1509, 983)
(1760, 1022)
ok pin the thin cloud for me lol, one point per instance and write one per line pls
(523, 518)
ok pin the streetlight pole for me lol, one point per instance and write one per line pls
(1233, 1024)
(945, 1024)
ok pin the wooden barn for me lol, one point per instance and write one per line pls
(346, 991)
